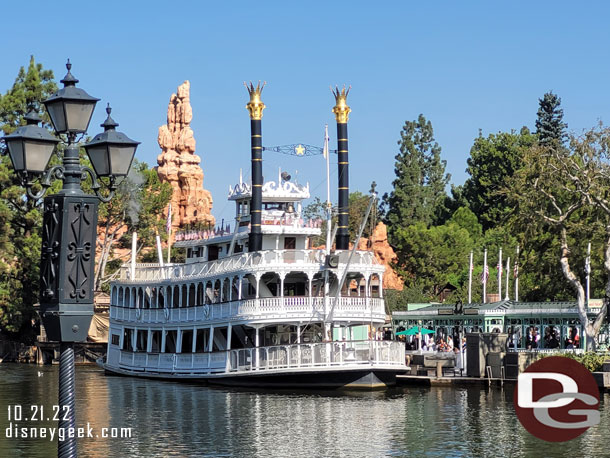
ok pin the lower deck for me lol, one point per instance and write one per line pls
(320, 364)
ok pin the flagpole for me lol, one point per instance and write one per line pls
(169, 246)
(500, 275)
(470, 268)
(517, 276)
(588, 270)
(168, 227)
(485, 276)
(328, 203)
(507, 277)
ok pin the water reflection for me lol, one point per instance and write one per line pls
(173, 419)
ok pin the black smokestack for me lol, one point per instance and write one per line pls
(256, 107)
(341, 111)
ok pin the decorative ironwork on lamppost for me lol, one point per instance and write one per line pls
(70, 220)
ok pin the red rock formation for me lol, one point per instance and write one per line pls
(179, 165)
(384, 254)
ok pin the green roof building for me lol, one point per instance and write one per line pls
(545, 325)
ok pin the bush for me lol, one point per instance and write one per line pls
(591, 360)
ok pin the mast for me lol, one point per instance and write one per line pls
(329, 205)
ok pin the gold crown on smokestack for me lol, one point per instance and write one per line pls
(341, 109)
(255, 106)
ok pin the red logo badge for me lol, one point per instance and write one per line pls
(557, 399)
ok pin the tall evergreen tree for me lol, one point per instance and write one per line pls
(549, 124)
(493, 161)
(20, 218)
(418, 194)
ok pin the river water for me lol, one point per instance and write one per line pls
(183, 420)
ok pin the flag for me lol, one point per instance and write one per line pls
(485, 274)
(516, 270)
(168, 224)
(325, 149)
(499, 267)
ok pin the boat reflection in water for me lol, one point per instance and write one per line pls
(181, 419)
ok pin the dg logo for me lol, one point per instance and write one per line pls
(557, 399)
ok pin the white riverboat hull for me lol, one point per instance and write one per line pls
(347, 378)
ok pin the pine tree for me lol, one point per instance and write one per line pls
(549, 124)
(493, 161)
(418, 194)
(20, 218)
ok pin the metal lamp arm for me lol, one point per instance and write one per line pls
(46, 180)
(96, 186)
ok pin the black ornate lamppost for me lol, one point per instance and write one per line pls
(70, 220)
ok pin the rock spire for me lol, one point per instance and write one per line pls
(384, 253)
(179, 165)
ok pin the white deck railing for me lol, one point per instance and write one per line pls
(275, 358)
(242, 261)
(289, 308)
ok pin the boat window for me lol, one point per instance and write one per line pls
(220, 339)
(127, 339)
(116, 339)
(201, 342)
(154, 300)
(142, 340)
(170, 341)
(212, 252)
(187, 341)
(290, 243)
(199, 300)
(176, 296)
(184, 301)
(155, 341)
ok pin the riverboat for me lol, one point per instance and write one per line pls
(258, 306)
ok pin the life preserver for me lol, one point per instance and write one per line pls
(166, 313)
(275, 338)
(138, 313)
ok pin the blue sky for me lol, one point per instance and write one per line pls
(465, 65)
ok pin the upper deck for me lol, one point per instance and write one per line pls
(307, 261)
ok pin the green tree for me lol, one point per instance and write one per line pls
(358, 203)
(550, 127)
(564, 192)
(20, 218)
(465, 218)
(418, 193)
(493, 161)
(432, 257)
(137, 206)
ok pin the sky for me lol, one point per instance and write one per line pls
(467, 66)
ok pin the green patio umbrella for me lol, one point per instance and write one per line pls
(414, 331)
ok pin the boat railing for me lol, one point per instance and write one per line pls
(242, 261)
(322, 354)
(293, 307)
(272, 358)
